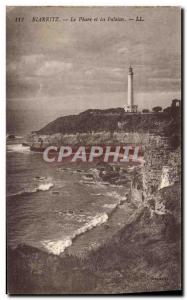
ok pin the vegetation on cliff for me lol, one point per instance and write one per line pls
(165, 123)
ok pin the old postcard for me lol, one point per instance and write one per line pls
(93, 150)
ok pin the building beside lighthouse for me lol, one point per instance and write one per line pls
(130, 107)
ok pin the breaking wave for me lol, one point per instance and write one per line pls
(18, 137)
(40, 178)
(97, 194)
(111, 206)
(42, 187)
(58, 246)
(18, 148)
(45, 186)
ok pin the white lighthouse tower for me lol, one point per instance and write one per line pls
(130, 107)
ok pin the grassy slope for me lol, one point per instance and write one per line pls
(105, 120)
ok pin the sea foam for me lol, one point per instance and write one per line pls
(45, 186)
(42, 187)
(18, 148)
(58, 246)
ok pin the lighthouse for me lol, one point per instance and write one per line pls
(130, 86)
(130, 107)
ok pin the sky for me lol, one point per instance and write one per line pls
(65, 67)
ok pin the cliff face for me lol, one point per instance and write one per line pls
(93, 138)
(109, 127)
(159, 175)
(162, 165)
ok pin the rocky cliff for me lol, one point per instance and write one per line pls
(94, 120)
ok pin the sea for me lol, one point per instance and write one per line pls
(55, 208)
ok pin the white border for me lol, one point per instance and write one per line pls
(95, 2)
(3, 4)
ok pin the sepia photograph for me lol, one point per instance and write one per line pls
(93, 150)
